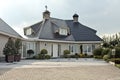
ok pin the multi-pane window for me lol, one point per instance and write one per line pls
(29, 31)
(87, 48)
(62, 31)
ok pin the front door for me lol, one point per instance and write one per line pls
(55, 50)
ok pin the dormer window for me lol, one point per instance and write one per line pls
(63, 31)
(28, 31)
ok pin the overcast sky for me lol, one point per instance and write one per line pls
(101, 15)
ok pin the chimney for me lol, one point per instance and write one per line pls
(75, 18)
(46, 14)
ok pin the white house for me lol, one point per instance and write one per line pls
(56, 35)
(5, 32)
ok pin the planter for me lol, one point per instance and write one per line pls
(9, 58)
(17, 57)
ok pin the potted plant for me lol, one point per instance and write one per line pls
(43, 52)
(30, 52)
(17, 55)
(8, 50)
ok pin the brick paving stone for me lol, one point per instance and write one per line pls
(75, 72)
(106, 72)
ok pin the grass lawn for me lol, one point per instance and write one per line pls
(117, 65)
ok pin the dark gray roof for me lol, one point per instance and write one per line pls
(4, 27)
(81, 32)
(46, 29)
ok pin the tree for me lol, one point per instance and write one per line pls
(17, 55)
(9, 48)
(106, 45)
(18, 45)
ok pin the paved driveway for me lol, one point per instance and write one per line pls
(57, 69)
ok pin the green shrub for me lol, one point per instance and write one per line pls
(43, 51)
(72, 56)
(47, 56)
(98, 57)
(66, 53)
(105, 51)
(77, 55)
(42, 54)
(85, 54)
(98, 52)
(30, 52)
(106, 57)
(117, 65)
(36, 57)
(9, 48)
(117, 52)
(82, 55)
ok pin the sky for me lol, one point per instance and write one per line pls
(101, 15)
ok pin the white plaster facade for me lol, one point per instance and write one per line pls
(56, 49)
(3, 41)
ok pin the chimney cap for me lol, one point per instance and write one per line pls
(47, 12)
(75, 15)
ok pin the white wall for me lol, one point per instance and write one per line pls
(47, 46)
(38, 46)
(64, 47)
(3, 41)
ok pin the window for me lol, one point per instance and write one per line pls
(70, 48)
(63, 31)
(28, 31)
(87, 48)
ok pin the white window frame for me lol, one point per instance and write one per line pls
(63, 31)
(28, 31)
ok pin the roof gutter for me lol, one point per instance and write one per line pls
(60, 41)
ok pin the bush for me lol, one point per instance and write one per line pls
(77, 55)
(66, 53)
(117, 52)
(115, 60)
(47, 56)
(98, 52)
(85, 54)
(106, 57)
(43, 51)
(30, 52)
(82, 55)
(117, 65)
(9, 48)
(98, 57)
(105, 51)
(37, 56)
(72, 56)
(42, 54)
